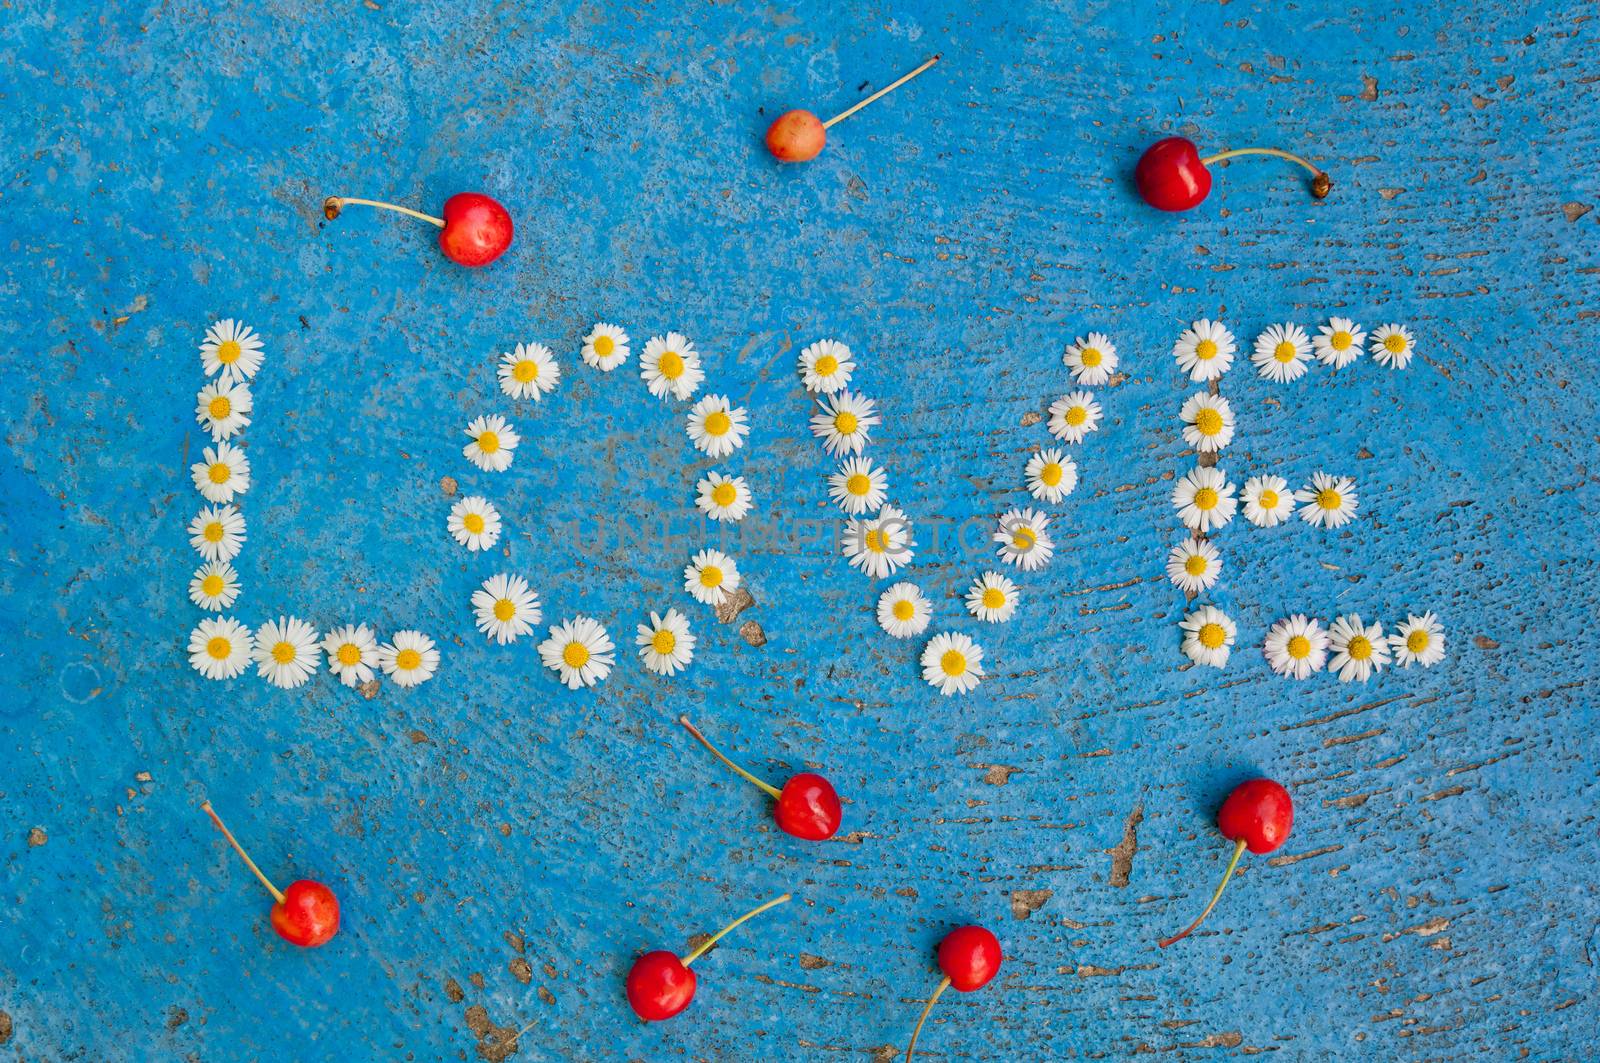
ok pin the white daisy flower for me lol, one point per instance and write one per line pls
(214, 586)
(1091, 359)
(1207, 636)
(410, 659)
(1194, 565)
(1267, 501)
(529, 372)
(1358, 651)
(1204, 499)
(494, 442)
(475, 523)
(952, 663)
(844, 422)
(1338, 343)
(1420, 640)
(223, 409)
(992, 598)
(605, 347)
(904, 611)
(1282, 353)
(879, 545)
(224, 473)
(717, 427)
(219, 647)
(505, 608)
(1330, 501)
(722, 497)
(1074, 416)
(1205, 350)
(286, 652)
(1296, 647)
(352, 653)
(710, 576)
(217, 532)
(231, 351)
(859, 486)
(825, 367)
(1023, 539)
(1051, 475)
(1207, 422)
(579, 651)
(665, 644)
(671, 366)
(1392, 346)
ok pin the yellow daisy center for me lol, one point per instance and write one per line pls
(219, 648)
(1328, 498)
(213, 532)
(954, 662)
(1205, 350)
(1341, 340)
(1050, 474)
(993, 598)
(827, 365)
(525, 371)
(1417, 641)
(576, 655)
(408, 660)
(904, 609)
(1212, 636)
(717, 423)
(1299, 647)
(711, 576)
(670, 364)
(1091, 357)
(604, 345)
(1267, 500)
(228, 351)
(1024, 538)
(875, 541)
(505, 609)
(1205, 498)
(473, 522)
(1359, 648)
(1196, 565)
(724, 494)
(858, 484)
(1209, 421)
(349, 654)
(283, 652)
(845, 423)
(212, 585)
(219, 407)
(1077, 415)
(489, 442)
(1394, 343)
(1284, 352)
(219, 473)
(664, 642)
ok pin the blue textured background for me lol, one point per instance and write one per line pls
(503, 846)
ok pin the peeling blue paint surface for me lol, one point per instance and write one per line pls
(503, 847)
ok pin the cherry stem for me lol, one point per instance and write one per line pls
(334, 204)
(228, 834)
(1238, 851)
(718, 936)
(772, 791)
(880, 94)
(912, 1047)
(1321, 183)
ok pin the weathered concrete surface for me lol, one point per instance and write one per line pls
(503, 846)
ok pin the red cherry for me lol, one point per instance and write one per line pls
(306, 915)
(970, 957)
(807, 807)
(800, 136)
(474, 231)
(1257, 815)
(660, 984)
(1171, 175)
